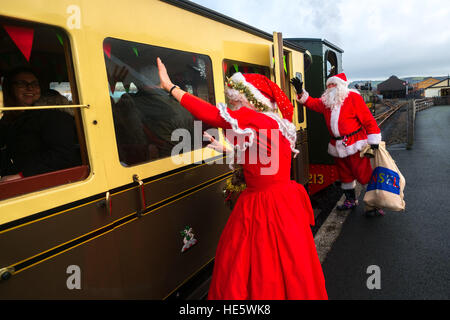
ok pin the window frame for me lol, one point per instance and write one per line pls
(245, 64)
(330, 57)
(193, 153)
(27, 185)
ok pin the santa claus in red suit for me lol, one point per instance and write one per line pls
(351, 127)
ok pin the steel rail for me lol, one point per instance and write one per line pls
(381, 118)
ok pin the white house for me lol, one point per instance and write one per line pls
(439, 89)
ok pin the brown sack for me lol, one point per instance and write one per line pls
(386, 186)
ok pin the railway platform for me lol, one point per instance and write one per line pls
(403, 255)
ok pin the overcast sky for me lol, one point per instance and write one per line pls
(380, 38)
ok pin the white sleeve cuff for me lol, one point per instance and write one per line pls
(374, 138)
(348, 185)
(304, 97)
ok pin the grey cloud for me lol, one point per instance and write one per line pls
(380, 38)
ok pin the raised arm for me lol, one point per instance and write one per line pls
(303, 97)
(199, 108)
(314, 104)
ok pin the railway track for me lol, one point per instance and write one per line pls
(393, 108)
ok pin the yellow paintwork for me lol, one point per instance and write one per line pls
(145, 21)
(296, 65)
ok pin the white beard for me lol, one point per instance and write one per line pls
(334, 97)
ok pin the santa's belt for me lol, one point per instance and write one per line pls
(347, 135)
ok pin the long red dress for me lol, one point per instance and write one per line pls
(266, 250)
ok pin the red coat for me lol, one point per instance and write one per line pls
(346, 119)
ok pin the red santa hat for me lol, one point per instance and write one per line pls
(260, 92)
(339, 79)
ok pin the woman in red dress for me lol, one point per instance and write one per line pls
(266, 250)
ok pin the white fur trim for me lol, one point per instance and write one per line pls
(374, 138)
(348, 185)
(234, 125)
(334, 121)
(337, 80)
(341, 151)
(238, 77)
(304, 97)
(286, 128)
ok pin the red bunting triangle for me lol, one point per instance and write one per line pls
(23, 38)
(107, 49)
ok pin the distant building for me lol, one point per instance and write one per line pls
(438, 89)
(420, 86)
(393, 88)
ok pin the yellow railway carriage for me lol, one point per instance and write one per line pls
(130, 220)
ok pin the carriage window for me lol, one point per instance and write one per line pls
(39, 148)
(307, 60)
(332, 65)
(144, 114)
(286, 74)
(230, 67)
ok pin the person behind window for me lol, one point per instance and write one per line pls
(132, 141)
(54, 98)
(33, 141)
(161, 113)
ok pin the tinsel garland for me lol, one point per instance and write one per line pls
(239, 86)
(229, 186)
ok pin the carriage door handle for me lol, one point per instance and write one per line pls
(106, 203)
(142, 203)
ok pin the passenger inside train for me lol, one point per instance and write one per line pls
(34, 71)
(34, 141)
(145, 117)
